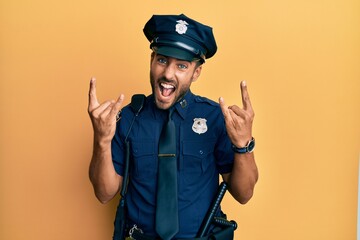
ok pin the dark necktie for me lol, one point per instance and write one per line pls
(167, 222)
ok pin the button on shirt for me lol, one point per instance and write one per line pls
(203, 152)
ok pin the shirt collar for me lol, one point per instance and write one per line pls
(181, 106)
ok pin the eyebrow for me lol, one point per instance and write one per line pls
(177, 59)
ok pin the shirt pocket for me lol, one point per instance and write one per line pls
(197, 156)
(145, 159)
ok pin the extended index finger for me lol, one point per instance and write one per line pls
(245, 96)
(93, 102)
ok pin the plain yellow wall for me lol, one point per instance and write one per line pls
(302, 63)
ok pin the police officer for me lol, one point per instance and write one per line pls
(212, 138)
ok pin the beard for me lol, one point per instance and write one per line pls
(178, 93)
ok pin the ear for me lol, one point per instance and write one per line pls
(197, 73)
(152, 57)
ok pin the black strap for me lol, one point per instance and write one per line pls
(137, 103)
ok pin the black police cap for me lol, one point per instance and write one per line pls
(180, 37)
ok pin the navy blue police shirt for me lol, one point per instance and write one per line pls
(203, 152)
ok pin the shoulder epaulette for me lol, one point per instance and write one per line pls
(200, 99)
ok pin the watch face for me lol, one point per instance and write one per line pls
(251, 145)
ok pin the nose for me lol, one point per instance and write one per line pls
(170, 71)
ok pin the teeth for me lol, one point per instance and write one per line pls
(167, 86)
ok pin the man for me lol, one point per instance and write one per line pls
(210, 138)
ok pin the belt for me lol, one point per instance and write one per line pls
(138, 235)
(223, 234)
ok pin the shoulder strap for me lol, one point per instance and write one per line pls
(137, 103)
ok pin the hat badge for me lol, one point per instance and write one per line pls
(181, 27)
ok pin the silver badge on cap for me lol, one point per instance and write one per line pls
(199, 125)
(181, 27)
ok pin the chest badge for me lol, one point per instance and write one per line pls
(199, 125)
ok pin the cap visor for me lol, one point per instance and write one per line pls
(175, 53)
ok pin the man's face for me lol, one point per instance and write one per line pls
(171, 78)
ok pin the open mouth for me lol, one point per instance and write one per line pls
(166, 89)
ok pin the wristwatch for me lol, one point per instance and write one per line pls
(247, 149)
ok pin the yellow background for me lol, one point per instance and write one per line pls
(301, 60)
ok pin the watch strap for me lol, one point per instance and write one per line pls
(248, 148)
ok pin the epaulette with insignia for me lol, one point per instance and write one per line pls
(205, 100)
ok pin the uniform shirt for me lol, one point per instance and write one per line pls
(203, 152)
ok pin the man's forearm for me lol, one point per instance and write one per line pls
(243, 177)
(105, 180)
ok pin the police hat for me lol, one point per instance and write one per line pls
(180, 37)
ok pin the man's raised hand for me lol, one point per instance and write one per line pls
(103, 116)
(238, 120)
